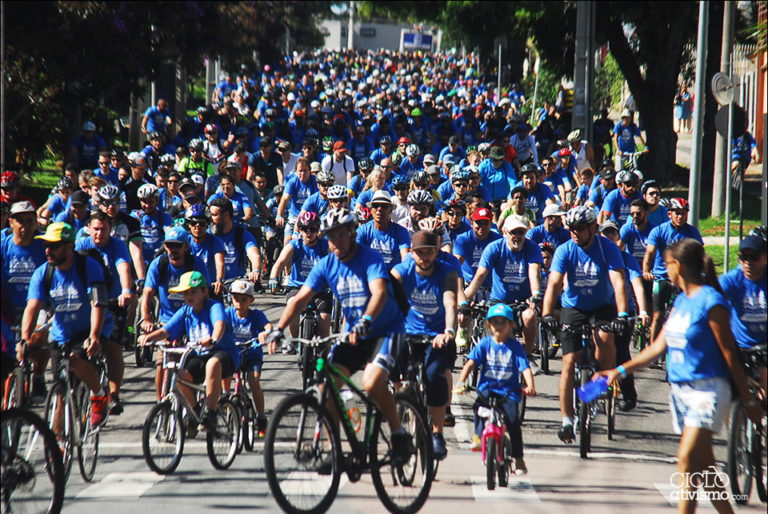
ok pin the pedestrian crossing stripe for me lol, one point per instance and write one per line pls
(519, 489)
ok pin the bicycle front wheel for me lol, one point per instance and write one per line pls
(302, 456)
(544, 347)
(249, 425)
(58, 417)
(739, 455)
(88, 436)
(223, 440)
(585, 421)
(403, 489)
(162, 438)
(31, 467)
(14, 389)
(490, 463)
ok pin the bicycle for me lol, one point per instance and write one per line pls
(18, 385)
(163, 435)
(303, 457)
(70, 398)
(641, 334)
(143, 354)
(478, 311)
(587, 367)
(31, 470)
(747, 442)
(307, 352)
(243, 401)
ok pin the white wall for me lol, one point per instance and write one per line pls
(387, 35)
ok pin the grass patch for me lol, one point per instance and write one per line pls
(716, 226)
(717, 252)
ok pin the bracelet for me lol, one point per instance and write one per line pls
(643, 313)
(462, 304)
(623, 315)
(450, 331)
(622, 370)
(367, 318)
(127, 291)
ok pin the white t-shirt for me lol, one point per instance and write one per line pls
(339, 169)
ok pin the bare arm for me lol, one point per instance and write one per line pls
(474, 286)
(534, 276)
(134, 248)
(650, 255)
(28, 319)
(554, 288)
(620, 289)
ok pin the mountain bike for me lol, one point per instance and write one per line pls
(303, 457)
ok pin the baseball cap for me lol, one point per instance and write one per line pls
(482, 214)
(607, 173)
(380, 196)
(429, 159)
(89, 126)
(449, 159)
(608, 225)
(57, 232)
(189, 280)
(242, 286)
(22, 207)
(552, 210)
(176, 234)
(424, 239)
(501, 310)
(265, 141)
(497, 153)
(79, 198)
(315, 166)
(626, 113)
(283, 145)
(755, 243)
(339, 145)
(515, 221)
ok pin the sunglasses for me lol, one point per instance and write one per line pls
(652, 193)
(310, 230)
(109, 203)
(174, 246)
(483, 223)
(379, 206)
(54, 246)
(518, 232)
(193, 224)
(460, 184)
(749, 257)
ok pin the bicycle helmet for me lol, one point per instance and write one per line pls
(109, 193)
(211, 129)
(678, 204)
(460, 175)
(760, 232)
(327, 144)
(196, 212)
(9, 178)
(412, 150)
(196, 144)
(180, 222)
(649, 184)
(607, 163)
(385, 140)
(399, 181)
(64, 183)
(308, 219)
(363, 215)
(432, 224)
(365, 164)
(337, 218)
(456, 203)
(89, 126)
(529, 168)
(625, 176)
(546, 246)
(155, 135)
(337, 192)
(147, 191)
(418, 196)
(580, 215)
(420, 177)
(639, 175)
(168, 160)
(404, 141)
(325, 177)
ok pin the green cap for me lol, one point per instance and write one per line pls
(58, 232)
(189, 280)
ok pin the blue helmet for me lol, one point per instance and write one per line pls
(399, 180)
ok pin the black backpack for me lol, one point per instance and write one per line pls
(81, 266)
(162, 265)
(398, 291)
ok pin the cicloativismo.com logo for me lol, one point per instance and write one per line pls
(710, 484)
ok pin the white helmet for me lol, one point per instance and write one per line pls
(412, 150)
(147, 191)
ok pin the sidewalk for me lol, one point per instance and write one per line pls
(683, 157)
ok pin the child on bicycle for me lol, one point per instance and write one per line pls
(248, 324)
(502, 358)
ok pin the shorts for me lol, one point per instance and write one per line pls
(662, 292)
(702, 403)
(381, 351)
(253, 360)
(570, 316)
(196, 365)
(323, 301)
(75, 346)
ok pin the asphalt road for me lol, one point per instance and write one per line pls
(630, 473)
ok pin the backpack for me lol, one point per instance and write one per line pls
(81, 265)
(162, 265)
(399, 293)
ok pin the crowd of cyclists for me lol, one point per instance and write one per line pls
(403, 186)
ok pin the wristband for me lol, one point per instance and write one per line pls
(643, 313)
(622, 370)
(623, 315)
(367, 318)
(450, 331)
(462, 304)
(127, 291)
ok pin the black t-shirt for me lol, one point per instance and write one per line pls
(267, 166)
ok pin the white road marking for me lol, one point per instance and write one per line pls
(121, 485)
(519, 489)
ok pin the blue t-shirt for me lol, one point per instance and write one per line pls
(69, 298)
(658, 216)
(387, 243)
(198, 326)
(634, 271)
(537, 200)
(76, 223)
(206, 251)
(463, 228)
(539, 234)
(233, 267)
(663, 236)
(470, 249)
(501, 365)
(618, 205)
(509, 270)
(627, 136)
(748, 317)
(315, 203)
(299, 192)
(582, 194)
(156, 118)
(57, 205)
(239, 203)
(152, 231)
(349, 283)
(589, 286)
(246, 329)
(635, 240)
(113, 253)
(305, 258)
(425, 294)
(112, 178)
(170, 302)
(499, 181)
(692, 350)
(18, 265)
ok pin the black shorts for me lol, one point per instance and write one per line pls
(196, 365)
(323, 301)
(383, 352)
(662, 292)
(571, 342)
(76, 348)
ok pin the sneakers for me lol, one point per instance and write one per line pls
(261, 425)
(462, 341)
(566, 434)
(450, 420)
(402, 448)
(286, 281)
(628, 405)
(477, 444)
(39, 390)
(116, 408)
(207, 421)
(289, 348)
(99, 409)
(520, 467)
(438, 446)
(191, 427)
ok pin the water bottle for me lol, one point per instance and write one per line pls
(592, 389)
(352, 410)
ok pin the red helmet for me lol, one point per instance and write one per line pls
(403, 141)
(678, 204)
(564, 152)
(9, 178)
(211, 128)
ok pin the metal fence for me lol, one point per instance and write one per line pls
(745, 75)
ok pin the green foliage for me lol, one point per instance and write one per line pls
(608, 84)
(548, 83)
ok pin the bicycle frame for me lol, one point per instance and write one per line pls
(173, 394)
(494, 428)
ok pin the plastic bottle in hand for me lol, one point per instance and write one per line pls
(592, 389)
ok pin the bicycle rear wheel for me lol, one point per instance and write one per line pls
(303, 474)
(31, 467)
(402, 489)
(15, 389)
(759, 441)
(739, 453)
(544, 347)
(249, 425)
(88, 447)
(222, 441)
(162, 438)
(585, 422)
(58, 417)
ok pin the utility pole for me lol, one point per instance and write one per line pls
(2, 86)
(583, 69)
(351, 27)
(722, 172)
(694, 181)
(498, 78)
